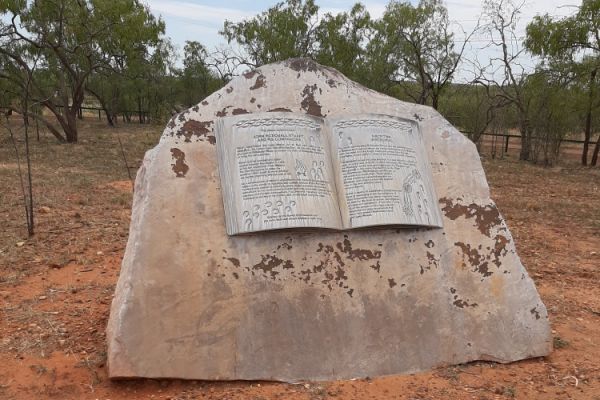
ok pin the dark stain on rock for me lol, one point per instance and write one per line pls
(196, 128)
(171, 124)
(223, 112)
(332, 83)
(376, 266)
(181, 117)
(179, 166)
(463, 303)
(486, 217)
(392, 282)
(253, 100)
(238, 111)
(261, 82)
(433, 261)
(229, 89)
(460, 303)
(284, 245)
(250, 74)
(205, 103)
(429, 244)
(309, 104)
(280, 109)
(233, 260)
(535, 312)
(481, 261)
(195, 108)
(269, 263)
(475, 259)
(361, 254)
(302, 65)
(500, 249)
(418, 117)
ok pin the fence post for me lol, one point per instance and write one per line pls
(506, 144)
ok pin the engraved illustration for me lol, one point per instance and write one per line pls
(247, 220)
(344, 141)
(415, 199)
(317, 171)
(300, 169)
(259, 214)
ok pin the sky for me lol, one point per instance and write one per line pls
(201, 20)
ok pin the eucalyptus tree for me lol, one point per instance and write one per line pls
(419, 44)
(571, 45)
(73, 40)
(342, 43)
(286, 30)
(195, 78)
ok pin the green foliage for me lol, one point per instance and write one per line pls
(552, 116)
(410, 44)
(570, 47)
(286, 30)
(419, 46)
(341, 42)
(196, 80)
(58, 46)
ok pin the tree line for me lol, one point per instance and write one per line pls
(57, 55)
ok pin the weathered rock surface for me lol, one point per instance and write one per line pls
(193, 303)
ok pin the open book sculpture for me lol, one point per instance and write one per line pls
(288, 170)
(316, 304)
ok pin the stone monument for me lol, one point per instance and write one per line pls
(195, 303)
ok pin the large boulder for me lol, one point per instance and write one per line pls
(194, 303)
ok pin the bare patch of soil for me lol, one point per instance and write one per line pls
(56, 288)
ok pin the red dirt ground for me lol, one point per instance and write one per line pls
(56, 288)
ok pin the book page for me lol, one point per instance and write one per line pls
(276, 173)
(383, 174)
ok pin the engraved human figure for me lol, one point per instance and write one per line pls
(316, 172)
(344, 141)
(320, 170)
(300, 169)
(313, 170)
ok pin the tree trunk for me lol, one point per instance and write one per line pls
(70, 127)
(525, 141)
(103, 105)
(595, 154)
(434, 101)
(588, 118)
(50, 127)
(140, 113)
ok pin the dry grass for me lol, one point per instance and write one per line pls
(75, 211)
